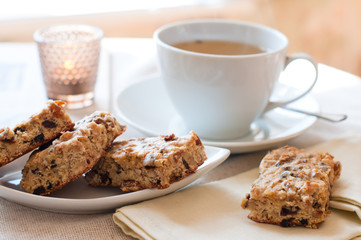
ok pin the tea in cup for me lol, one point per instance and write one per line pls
(220, 74)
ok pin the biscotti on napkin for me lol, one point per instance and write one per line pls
(72, 154)
(148, 162)
(293, 188)
(39, 129)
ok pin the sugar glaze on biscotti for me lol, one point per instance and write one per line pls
(293, 188)
(153, 162)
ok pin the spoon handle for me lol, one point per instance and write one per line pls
(326, 116)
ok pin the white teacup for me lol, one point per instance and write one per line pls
(217, 95)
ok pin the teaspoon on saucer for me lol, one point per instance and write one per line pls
(325, 116)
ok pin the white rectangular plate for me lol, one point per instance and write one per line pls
(79, 198)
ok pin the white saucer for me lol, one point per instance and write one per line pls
(79, 198)
(145, 106)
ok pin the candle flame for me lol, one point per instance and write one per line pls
(68, 64)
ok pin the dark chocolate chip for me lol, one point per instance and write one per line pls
(286, 222)
(39, 138)
(149, 167)
(48, 124)
(185, 164)
(19, 129)
(100, 121)
(8, 140)
(169, 137)
(177, 178)
(33, 171)
(39, 190)
(304, 222)
(316, 205)
(289, 210)
(119, 169)
(104, 178)
(49, 186)
(45, 145)
(53, 164)
(284, 212)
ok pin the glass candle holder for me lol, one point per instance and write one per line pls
(69, 57)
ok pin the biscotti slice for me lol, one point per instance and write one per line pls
(71, 155)
(148, 162)
(39, 129)
(293, 188)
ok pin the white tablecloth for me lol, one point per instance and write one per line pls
(124, 61)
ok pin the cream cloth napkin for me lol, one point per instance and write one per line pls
(212, 211)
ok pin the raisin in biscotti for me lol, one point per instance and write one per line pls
(293, 188)
(71, 155)
(148, 162)
(39, 129)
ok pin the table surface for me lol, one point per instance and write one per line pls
(124, 61)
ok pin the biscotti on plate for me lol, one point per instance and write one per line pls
(39, 129)
(293, 188)
(71, 155)
(148, 162)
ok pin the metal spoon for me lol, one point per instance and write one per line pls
(325, 116)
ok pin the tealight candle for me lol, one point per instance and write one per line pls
(69, 56)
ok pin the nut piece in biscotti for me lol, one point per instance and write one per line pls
(293, 188)
(156, 162)
(39, 129)
(71, 155)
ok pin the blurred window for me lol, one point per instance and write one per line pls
(20, 9)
